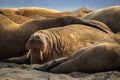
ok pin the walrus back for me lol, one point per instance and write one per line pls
(109, 16)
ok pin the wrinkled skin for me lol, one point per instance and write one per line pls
(45, 45)
(13, 36)
(101, 56)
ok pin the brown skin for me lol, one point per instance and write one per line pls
(101, 56)
(38, 13)
(100, 23)
(59, 42)
(109, 16)
(12, 34)
(28, 12)
(8, 10)
(81, 12)
(17, 18)
(20, 19)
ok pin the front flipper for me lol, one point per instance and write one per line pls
(19, 60)
(53, 63)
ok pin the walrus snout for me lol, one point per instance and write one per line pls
(36, 37)
(37, 46)
(36, 42)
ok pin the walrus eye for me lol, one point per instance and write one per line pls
(41, 55)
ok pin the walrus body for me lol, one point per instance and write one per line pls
(45, 45)
(12, 34)
(49, 44)
(101, 56)
(17, 18)
(109, 16)
(35, 13)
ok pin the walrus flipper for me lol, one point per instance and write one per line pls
(51, 64)
(18, 60)
(67, 20)
(85, 22)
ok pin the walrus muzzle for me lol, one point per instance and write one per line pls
(37, 46)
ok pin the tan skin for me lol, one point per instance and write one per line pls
(101, 56)
(54, 44)
(13, 34)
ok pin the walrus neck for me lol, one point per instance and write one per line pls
(57, 46)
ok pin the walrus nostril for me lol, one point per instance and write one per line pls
(36, 37)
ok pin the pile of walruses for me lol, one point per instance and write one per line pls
(82, 40)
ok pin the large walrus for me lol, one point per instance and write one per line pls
(45, 45)
(13, 37)
(109, 16)
(101, 56)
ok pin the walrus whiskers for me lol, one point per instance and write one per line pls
(41, 55)
(28, 54)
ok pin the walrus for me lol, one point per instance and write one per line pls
(38, 13)
(13, 34)
(34, 12)
(48, 44)
(50, 13)
(81, 12)
(109, 16)
(17, 18)
(102, 56)
(8, 10)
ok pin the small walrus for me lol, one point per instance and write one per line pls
(45, 45)
(102, 56)
(13, 34)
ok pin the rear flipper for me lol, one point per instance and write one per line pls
(53, 63)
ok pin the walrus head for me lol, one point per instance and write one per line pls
(37, 45)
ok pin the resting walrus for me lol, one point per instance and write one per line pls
(109, 16)
(17, 18)
(45, 45)
(38, 13)
(101, 56)
(13, 34)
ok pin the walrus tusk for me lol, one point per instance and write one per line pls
(28, 54)
(41, 55)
